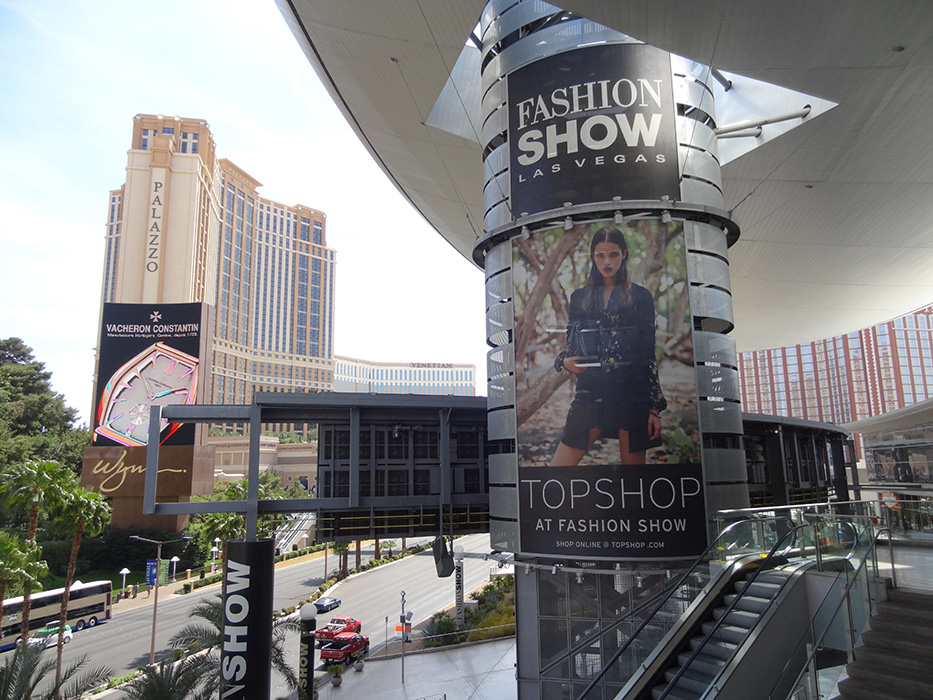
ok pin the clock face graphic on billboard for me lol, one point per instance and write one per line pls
(159, 375)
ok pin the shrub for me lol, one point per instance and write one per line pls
(442, 628)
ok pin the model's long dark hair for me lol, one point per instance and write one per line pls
(623, 283)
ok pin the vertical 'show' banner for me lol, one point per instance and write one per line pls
(246, 651)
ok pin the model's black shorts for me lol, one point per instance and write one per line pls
(587, 413)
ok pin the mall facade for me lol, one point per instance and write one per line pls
(846, 378)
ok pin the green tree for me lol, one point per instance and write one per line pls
(81, 511)
(26, 670)
(198, 637)
(35, 422)
(19, 564)
(184, 680)
(35, 487)
(229, 526)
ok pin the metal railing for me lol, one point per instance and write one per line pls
(850, 593)
(805, 533)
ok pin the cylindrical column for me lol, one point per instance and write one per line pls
(613, 386)
(588, 130)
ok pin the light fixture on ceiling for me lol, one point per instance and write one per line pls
(619, 219)
(568, 223)
(665, 217)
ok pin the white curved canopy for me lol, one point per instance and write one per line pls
(836, 214)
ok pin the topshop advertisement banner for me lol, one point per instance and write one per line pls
(592, 124)
(608, 438)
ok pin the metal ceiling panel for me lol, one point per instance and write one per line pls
(835, 215)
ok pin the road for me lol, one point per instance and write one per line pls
(123, 643)
(376, 596)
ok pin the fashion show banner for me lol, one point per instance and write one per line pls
(608, 438)
(246, 650)
(148, 354)
(592, 124)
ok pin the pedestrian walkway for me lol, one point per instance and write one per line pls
(171, 588)
(480, 671)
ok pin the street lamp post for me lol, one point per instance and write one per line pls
(405, 619)
(174, 561)
(213, 557)
(123, 572)
(155, 603)
(402, 620)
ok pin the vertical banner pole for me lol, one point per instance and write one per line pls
(308, 622)
(246, 652)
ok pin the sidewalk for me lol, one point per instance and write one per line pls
(171, 588)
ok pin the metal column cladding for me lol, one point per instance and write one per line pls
(607, 292)
(246, 652)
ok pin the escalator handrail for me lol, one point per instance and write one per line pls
(718, 623)
(699, 561)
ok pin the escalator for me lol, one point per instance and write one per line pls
(726, 624)
(741, 634)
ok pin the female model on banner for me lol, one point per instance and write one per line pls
(610, 348)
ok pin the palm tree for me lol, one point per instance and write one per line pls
(183, 680)
(223, 526)
(26, 670)
(34, 487)
(80, 512)
(198, 637)
(343, 549)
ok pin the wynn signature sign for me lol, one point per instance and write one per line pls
(120, 473)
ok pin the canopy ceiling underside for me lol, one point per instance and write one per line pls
(835, 215)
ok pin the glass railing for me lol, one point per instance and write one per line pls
(811, 535)
(643, 634)
(824, 649)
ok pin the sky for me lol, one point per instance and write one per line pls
(73, 73)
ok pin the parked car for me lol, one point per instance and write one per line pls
(337, 625)
(345, 648)
(48, 636)
(326, 603)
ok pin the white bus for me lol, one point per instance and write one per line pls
(88, 604)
